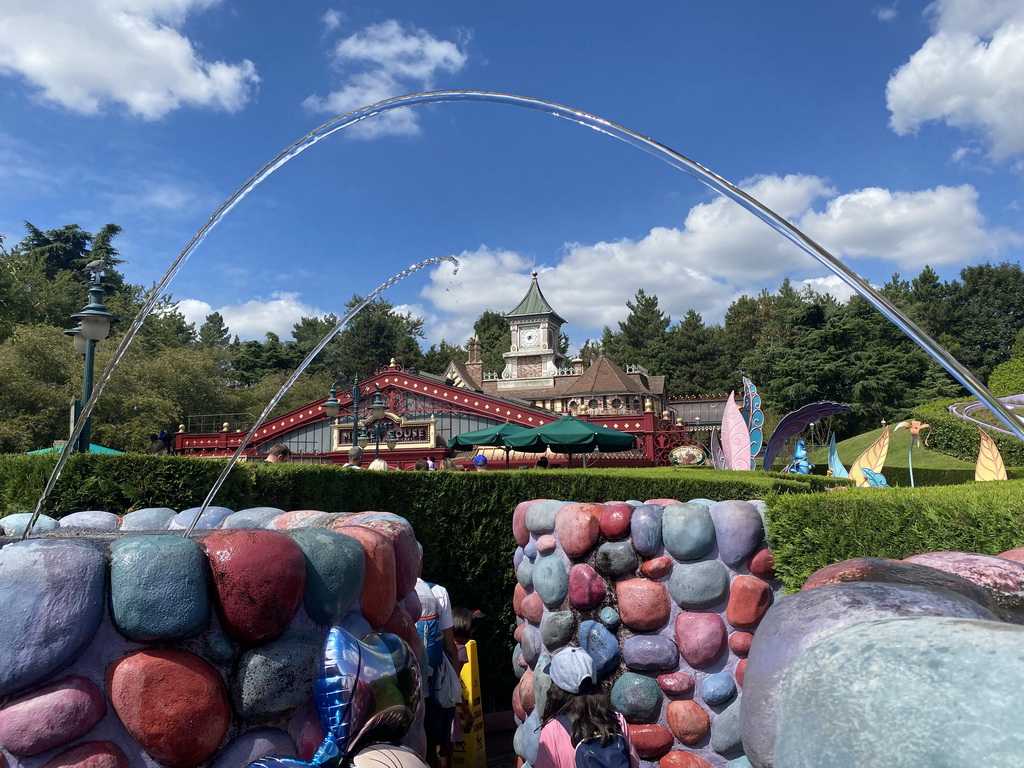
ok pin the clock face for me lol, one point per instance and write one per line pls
(530, 338)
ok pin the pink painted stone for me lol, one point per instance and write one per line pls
(644, 605)
(762, 564)
(89, 754)
(518, 633)
(578, 527)
(526, 693)
(688, 721)
(518, 595)
(658, 568)
(662, 502)
(1017, 555)
(306, 733)
(586, 588)
(749, 598)
(399, 531)
(1001, 577)
(741, 668)
(615, 520)
(51, 716)
(259, 580)
(533, 608)
(676, 683)
(701, 637)
(546, 544)
(519, 530)
(650, 741)
(298, 518)
(517, 702)
(739, 643)
(379, 588)
(172, 702)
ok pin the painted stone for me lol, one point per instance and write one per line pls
(265, 742)
(254, 517)
(531, 645)
(518, 595)
(739, 643)
(615, 519)
(57, 617)
(210, 520)
(527, 738)
(51, 716)
(517, 634)
(1017, 554)
(676, 683)
(551, 580)
(725, 730)
(276, 679)
(518, 557)
(649, 653)
(530, 550)
(402, 624)
(967, 671)
(688, 721)
(637, 697)
(91, 520)
(616, 558)
(586, 588)
(740, 671)
(610, 617)
(718, 688)
(657, 568)
(556, 628)
(519, 530)
(643, 605)
(700, 637)
(527, 696)
(645, 529)
(650, 741)
(259, 580)
(524, 574)
(148, 519)
(1001, 578)
(602, 646)
(295, 519)
(380, 590)
(546, 544)
(533, 608)
(749, 598)
(578, 527)
(541, 683)
(158, 587)
(540, 516)
(335, 569)
(355, 624)
(762, 564)
(698, 585)
(679, 759)
(172, 703)
(15, 525)
(662, 502)
(89, 754)
(688, 531)
(400, 533)
(518, 662)
(306, 732)
(217, 647)
(739, 762)
(517, 703)
(738, 529)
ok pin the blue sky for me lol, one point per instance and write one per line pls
(892, 133)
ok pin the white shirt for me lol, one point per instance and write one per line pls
(444, 604)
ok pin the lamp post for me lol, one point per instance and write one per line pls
(378, 429)
(333, 407)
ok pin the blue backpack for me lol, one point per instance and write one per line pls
(428, 627)
(590, 753)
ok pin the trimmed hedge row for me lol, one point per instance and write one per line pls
(959, 438)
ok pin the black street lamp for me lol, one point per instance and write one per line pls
(333, 407)
(378, 429)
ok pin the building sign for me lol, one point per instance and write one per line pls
(407, 433)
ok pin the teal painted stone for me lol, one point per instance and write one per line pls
(718, 688)
(556, 628)
(703, 501)
(602, 646)
(335, 568)
(935, 691)
(551, 580)
(725, 731)
(517, 657)
(527, 738)
(645, 529)
(738, 529)
(276, 679)
(610, 617)
(90, 520)
(159, 587)
(218, 648)
(210, 520)
(55, 590)
(524, 574)
(254, 517)
(540, 516)
(148, 519)
(265, 742)
(739, 762)
(14, 525)
(698, 585)
(616, 558)
(541, 684)
(637, 697)
(688, 531)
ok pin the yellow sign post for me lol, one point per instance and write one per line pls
(471, 751)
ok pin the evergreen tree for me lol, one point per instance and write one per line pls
(375, 336)
(435, 360)
(492, 330)
(214, 333)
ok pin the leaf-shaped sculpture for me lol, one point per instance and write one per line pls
(873, 458)
(735, 436)
(874, 479)
(717, 455)
(795, 422)
(834, 464)
(990, 461)
(754, 417)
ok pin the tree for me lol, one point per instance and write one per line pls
(435, 360)
(214, 333)
(641, 336)
(373, 337)
(698, 363)
(989, 314)
(492, 330)
(309, 332)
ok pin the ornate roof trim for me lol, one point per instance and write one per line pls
(534, 303)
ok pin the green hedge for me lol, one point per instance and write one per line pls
(957, 437)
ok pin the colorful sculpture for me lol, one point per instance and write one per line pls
(915, 428)
(754, 417)
(990, 461)
(800, 465)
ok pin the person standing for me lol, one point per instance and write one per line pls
(355, 458)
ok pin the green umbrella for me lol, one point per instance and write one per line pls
(487, 436)
(571, 435)
(93, 448)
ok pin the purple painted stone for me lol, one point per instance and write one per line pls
(701, 638)
(518, 558)
(649, 653)
(738, 528)
(148, 519)
(586, 588)
(91, 520)
(578, 527)
(546, 544)
(645, 528)
(51, 716)
(531, 644)
(1002, 578)
(210, 520)
(266, 742)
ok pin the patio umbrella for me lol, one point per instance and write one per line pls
(571, 435)
(495, 436)
(93, 448)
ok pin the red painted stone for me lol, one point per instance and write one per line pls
(533, 608)
(741, 669)
(701, 637)
(89, 754)
(518, 634)
(688, 721)
(526, 694)
(518, 595)
(519, 530)
(578, 527)
(259, 580)
(411, 603)
(680, 759)
(379, 587)
(658, 568)
(749, 598)
(1017, 555)
(762, 564)
(399, 531)
(662, 502)
(546, 544)
(172, 702)
(739, 643)
(517, 702)
(51, 716)
(643, 605)
(402, 624)
(650, 741)
(614, 522)
(676, 683)
(586, 588)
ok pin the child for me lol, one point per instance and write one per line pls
(578, 714)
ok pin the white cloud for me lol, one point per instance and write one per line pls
(968, 74)
(832, 285)
(380, 62)
(254, 318)
(331, 19)
(87, 54)
(885, 13)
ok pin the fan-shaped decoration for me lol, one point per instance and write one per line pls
(717, 455)
(754, 417)
(873, 458)
(835, 466)
(990, 461)
(735, 436)
(795, 422)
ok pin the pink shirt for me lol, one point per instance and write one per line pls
(556, 749)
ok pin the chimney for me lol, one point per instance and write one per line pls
(474, 365)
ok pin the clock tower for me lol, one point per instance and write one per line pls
(533, 359)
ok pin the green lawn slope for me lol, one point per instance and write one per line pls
(899, 444)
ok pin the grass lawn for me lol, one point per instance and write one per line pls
(899, 443)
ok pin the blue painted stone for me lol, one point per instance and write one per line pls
(51, 603)
(518, 557)
(688, 531)
(355, 624)
(602, 646)
(218, 648)
(698, 585)
(211, 518)
(637, 697)
(524, 574)
(254, 517)
(530, 550)
(725, 732)
(541, 683)
(527, 738)
(14, 525)
(739, 530)
(159, 587)
(531, 644)
(645, 528)
(615, 558)
(266, 742)
(540, 517)
(610, 617)
(335, 569)
(148, 519)
(517, 653)
(703, 501)
(551, 580)
(937, 690)
(634, 503)
(91, 520)
(556, 628)
(650, 653)
(718, 688)
(275, 679)
(739, 762)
